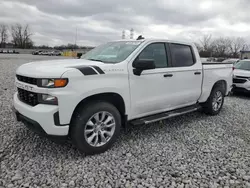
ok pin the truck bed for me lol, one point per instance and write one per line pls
(214, 72)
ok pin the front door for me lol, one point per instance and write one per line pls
(150, 92)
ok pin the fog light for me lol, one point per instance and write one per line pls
(48, 99)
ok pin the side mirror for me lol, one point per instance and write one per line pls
(79, 55)
(141, 65)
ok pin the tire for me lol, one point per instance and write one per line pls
(208, 107)
(84, 121)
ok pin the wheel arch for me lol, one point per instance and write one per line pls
(220, 83)
(111, 97)
(208, 89)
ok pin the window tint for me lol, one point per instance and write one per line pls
(157, 52)
(181, 55)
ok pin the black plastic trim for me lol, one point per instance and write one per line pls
(86, 70)
(26, 79)
(35, 126)
(98, 69)
(31, 124)
(57, 119)
(168, 52)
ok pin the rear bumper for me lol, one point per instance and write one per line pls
(40, 118)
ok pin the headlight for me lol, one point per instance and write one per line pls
(47, 99)
(53, 82)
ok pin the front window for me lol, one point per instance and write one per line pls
(243, 65)
(112, 52)
(156, 52)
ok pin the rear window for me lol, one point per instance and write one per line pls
(182, 55)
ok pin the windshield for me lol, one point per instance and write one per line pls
(244, 65)
(112, 52)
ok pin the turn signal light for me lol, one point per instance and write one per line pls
(60, 82)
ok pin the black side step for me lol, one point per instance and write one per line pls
(165, 115)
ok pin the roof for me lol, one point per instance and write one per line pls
(157, 40)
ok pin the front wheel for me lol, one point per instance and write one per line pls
(215, 101)
(95, 127)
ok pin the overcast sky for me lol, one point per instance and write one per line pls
(54, 22)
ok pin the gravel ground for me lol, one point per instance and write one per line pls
(194, 150)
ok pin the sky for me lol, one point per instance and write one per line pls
(56, 22)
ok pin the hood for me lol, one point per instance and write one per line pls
(239, 72)
(54, 68)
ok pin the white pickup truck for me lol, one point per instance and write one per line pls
(136, 81)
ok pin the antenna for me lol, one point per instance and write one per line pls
(140, 37)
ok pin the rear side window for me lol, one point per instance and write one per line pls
(182, 55)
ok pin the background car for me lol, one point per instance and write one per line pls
(231, 60)
(241, 76)
(56, 53)
(36, 52)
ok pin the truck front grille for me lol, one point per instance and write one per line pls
(239, 81)
(28, 97)
(27, 79)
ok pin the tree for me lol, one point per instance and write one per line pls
(21, 36)
(221, 46)
(206, 43)
(3, 35)
(237, 45)
(205, 46)
(198, 46)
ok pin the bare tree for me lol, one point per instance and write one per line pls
(3, 35)
(221, 46)
(237, 45)
(21, 36)
(198, 46)
(206, 42)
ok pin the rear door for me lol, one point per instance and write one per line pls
(187, 74)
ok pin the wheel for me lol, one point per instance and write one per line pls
(215, 101)
(95, 127)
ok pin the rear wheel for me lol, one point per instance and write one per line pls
(214, 103)
(95, 127)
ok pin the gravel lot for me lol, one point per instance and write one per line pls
(194, 150)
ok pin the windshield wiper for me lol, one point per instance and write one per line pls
(95, 60)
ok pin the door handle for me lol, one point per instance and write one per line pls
(197, 73)
(168, 75)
